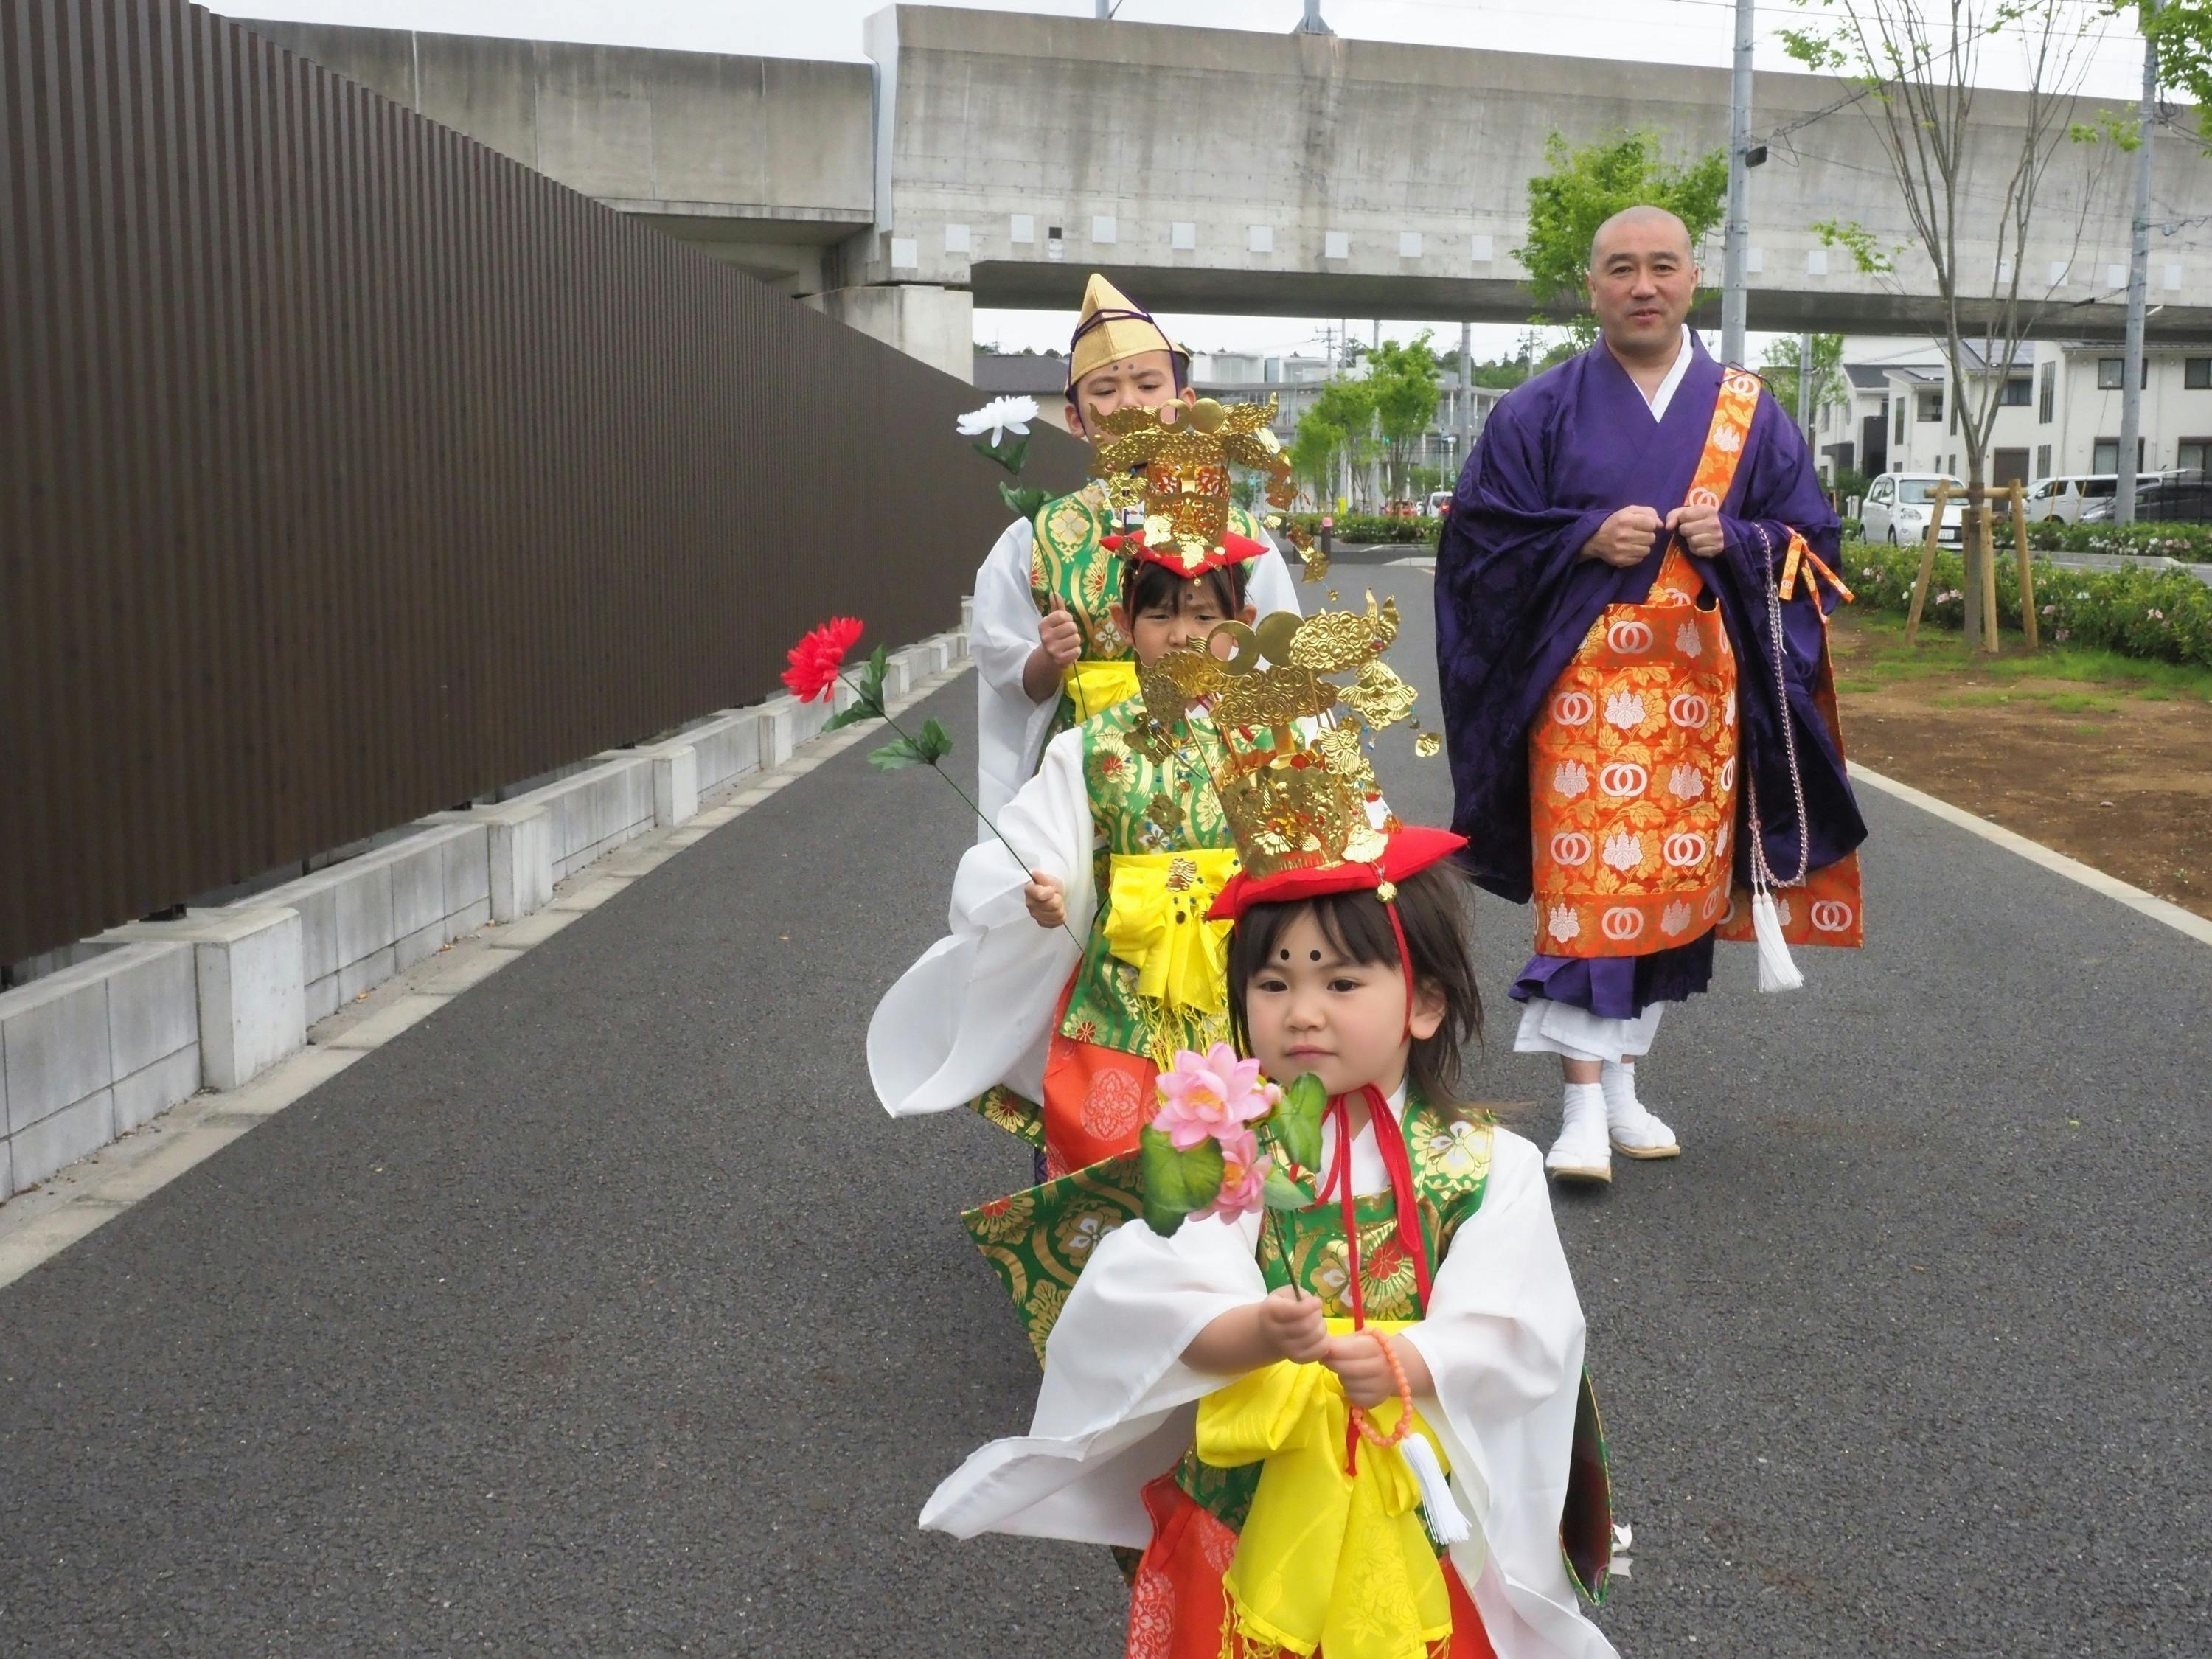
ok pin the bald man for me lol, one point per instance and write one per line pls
(1620, 708)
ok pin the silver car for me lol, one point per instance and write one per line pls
(1899, 505)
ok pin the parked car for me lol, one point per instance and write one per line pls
(1439, 502)
(2172, 498)
(2068, 498)
(1898, 505)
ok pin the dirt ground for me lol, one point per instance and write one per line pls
(2108, 761)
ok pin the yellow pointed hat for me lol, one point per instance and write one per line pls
(1109, 329)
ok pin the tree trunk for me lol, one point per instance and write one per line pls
(1980, 630)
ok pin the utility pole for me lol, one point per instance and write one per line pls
(1805, 386)
(2131, 375)
(1466, 410)
(1311, 23)
(1734, 300)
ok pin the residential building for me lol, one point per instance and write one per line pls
(2058, 411)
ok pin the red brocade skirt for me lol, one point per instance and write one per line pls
(1177, 1609)
(1096, 1098)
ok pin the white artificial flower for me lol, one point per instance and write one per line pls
(1623, 851)
(1624, 709)
(998, 417)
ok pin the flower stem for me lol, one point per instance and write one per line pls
(874, 706)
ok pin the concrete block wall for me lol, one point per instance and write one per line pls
(152, 1012)
(92, 1052)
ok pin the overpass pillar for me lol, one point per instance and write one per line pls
(937, 324)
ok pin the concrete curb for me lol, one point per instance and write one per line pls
(2095, 880)
(99, 1165)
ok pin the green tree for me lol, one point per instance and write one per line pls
(1403, 381)
(2183, 29)
(1333, 432)
(1587, 186)
(1779, 370)
(1963, 182)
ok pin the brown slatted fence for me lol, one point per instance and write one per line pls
(349, 469)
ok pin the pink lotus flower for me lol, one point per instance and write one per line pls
(1244, 1176)
(1215, 1094)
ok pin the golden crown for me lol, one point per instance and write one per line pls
(1173, 463)
(1296, 783)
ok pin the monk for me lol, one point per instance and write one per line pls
(1635, 744)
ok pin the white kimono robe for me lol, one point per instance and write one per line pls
(1503, 1337)
(1010, 728)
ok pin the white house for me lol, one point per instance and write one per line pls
(2059, 412)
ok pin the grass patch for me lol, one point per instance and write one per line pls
(1883, 657)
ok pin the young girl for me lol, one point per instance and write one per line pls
(1197, 1391)
(1068, 975)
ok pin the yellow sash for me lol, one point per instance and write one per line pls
(1326, 1560)
(1156, 921)
(1095, 686)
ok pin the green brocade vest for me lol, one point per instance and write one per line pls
(1139, 804)
(1069, 561)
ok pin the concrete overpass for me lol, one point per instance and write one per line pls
(993, 158)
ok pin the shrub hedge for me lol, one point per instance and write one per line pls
(2162, 615)
(2190, 542)
(1361, 527)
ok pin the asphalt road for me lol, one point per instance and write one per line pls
(605, 1312)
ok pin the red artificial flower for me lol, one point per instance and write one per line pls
(815, 659)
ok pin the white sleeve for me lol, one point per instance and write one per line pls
(977, 1009)
(1273, 587)
(1503, 1341)
(1003, 633)
(1117, 1405)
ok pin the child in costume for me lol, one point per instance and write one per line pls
(1048, 652)
(1069, 976)
(1360, 1427)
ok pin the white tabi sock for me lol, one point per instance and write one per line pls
(1583, 1149)
(1633, 1127)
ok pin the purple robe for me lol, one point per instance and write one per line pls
(1515, 599)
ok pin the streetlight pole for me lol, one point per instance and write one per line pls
(2131, 373)
(1735, 306)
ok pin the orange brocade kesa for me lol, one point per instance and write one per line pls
(1632, 775)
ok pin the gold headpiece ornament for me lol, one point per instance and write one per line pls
(1298, 795)
(1173, 464)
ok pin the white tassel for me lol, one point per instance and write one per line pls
(1447, 1520)
(1776, 971)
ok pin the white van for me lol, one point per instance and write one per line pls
(2065, 498)
(1898, 504)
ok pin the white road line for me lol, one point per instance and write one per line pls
(2034, 852)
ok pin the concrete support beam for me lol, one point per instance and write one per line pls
(937, 324)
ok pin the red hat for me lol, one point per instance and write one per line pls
(1410, 850)
(1232, 549)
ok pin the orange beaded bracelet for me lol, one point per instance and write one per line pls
(1368, 1431)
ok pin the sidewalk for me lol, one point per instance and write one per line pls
(603, 1312)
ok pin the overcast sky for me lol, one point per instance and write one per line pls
(1698, 32)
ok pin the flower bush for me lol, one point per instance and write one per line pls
(2192, 543)
(2164, 615)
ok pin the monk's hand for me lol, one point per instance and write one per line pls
(1292, 1324)
(1046, 899)
(1625, 538)
(1058, 637)
(1699, 527)
(1357, 1361)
